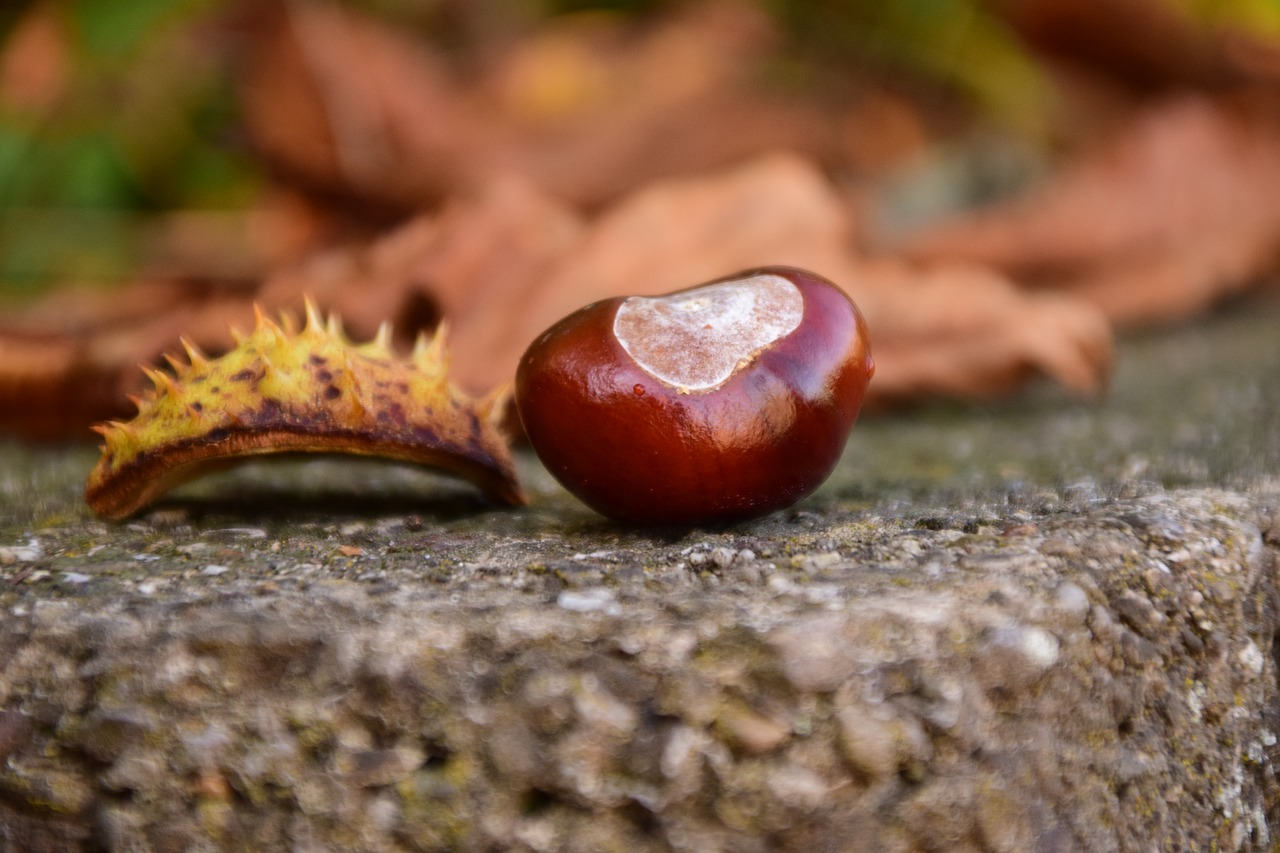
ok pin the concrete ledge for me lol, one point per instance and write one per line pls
(1097, 675)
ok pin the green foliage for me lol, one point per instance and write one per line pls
(119, 29)
(960, 45)
(140, 123)
(1261, 17)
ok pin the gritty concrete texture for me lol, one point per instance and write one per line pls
(1034, 626)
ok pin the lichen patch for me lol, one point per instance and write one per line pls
(696, 339)
(282, 390)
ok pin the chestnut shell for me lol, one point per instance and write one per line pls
(639, 450)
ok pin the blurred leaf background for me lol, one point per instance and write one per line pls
(111, 112)
(119, 125)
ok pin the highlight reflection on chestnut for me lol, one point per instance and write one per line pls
(717, 403)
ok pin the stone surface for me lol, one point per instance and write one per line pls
(1041, 626)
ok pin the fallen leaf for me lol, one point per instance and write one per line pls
(477, 263)
(35, 60)
(1179, 211)
(587, 107)
(964, 332)
(1145, 43)
(64, 365)
(948, 330)
(348, 107)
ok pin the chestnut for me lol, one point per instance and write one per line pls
(718, 403)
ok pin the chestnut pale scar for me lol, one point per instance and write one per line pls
(696, 339)
(313, 391)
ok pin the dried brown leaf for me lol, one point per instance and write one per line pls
(477, 264)
(346, 106)
(952, 330)
(1179, 211)
(35, 60)
(586, 108)
(965, 332)
(56, 379)
(1146, 43)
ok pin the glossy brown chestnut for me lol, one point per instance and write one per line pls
(717, 403)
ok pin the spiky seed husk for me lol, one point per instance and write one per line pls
(283, 390)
